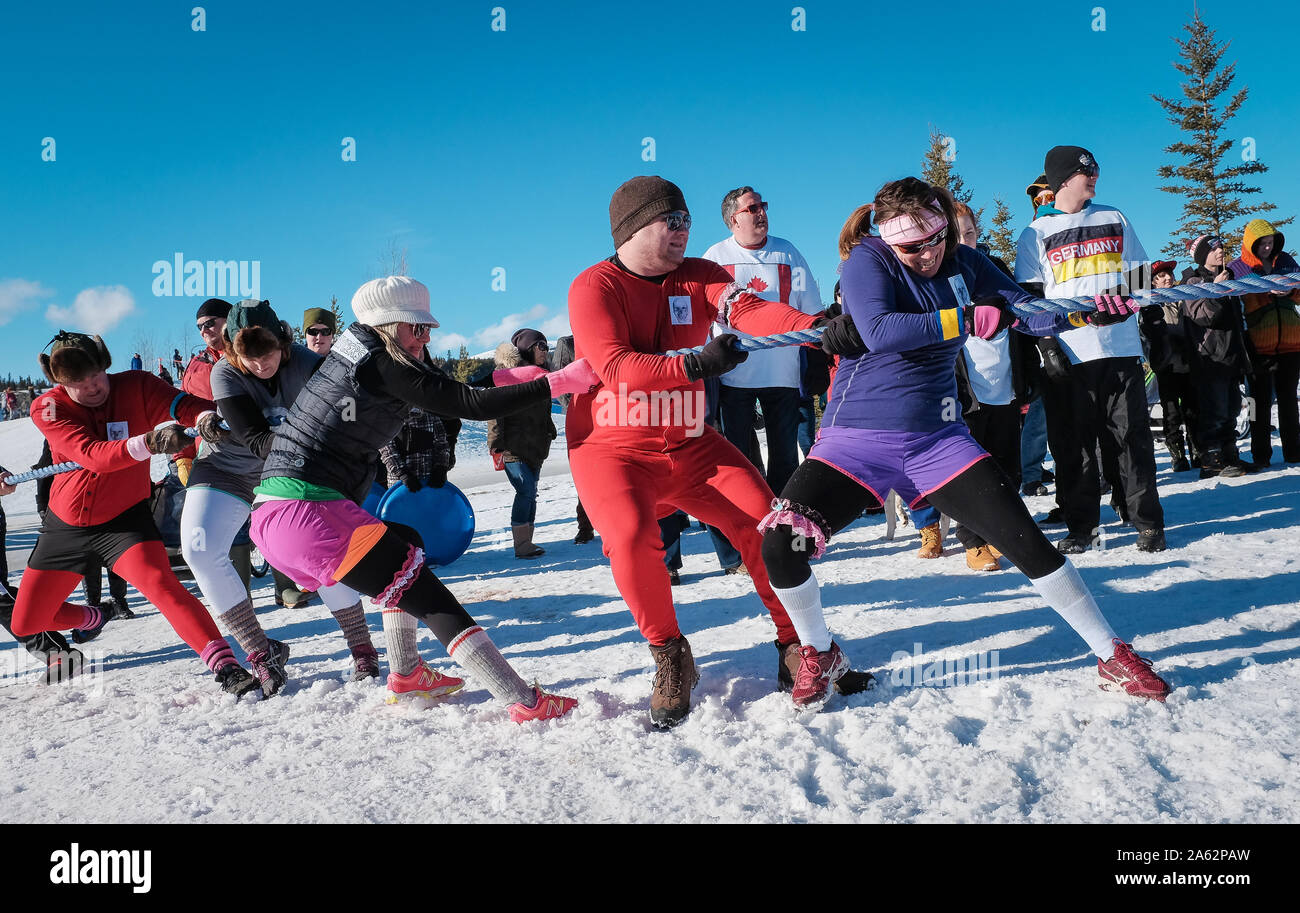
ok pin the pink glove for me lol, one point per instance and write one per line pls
(987, 317)
(576, 377)
(1112, 309)
(504, 377)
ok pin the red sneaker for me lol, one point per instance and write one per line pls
(546, 707)
(1128, 673)
(817, 672)
(422, 681)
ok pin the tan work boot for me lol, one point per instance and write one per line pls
(524, 547)
(981, 559)
(675, 677)
(931, 544)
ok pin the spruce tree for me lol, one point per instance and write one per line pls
(937, 171)
(1213, 191)
(1000, 238)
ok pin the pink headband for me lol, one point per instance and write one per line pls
(902, 229)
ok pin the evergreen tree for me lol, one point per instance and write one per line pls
(1001, 239)
(464, 365)
(937, 169)
(1213, 192)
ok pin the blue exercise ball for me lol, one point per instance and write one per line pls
(442, 516)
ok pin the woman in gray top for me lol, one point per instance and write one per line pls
(254, 386)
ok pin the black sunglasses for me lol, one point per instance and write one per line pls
(208, 324)
(319, 331)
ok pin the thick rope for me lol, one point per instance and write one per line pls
(57, 468)
(1198, 291)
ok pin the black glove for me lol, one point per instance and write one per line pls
(412, 482)
(168, 439)
(1056, 364)
(438, 477)
(718, 357)
(209, 428)
(841, 337)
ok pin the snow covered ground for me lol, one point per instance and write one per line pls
(151, 739)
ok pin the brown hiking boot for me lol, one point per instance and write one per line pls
(675, 677)
(931, 544)
(981, 559)
(787, 666)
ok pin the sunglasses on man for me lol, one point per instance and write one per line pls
(678, 221)
(754, 208)
(933, 241)
(208, 324)
(319, 331)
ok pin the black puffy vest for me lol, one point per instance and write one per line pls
(336, 427)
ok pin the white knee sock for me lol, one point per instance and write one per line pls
(803, 604)
(476, 653)
(1065, 592)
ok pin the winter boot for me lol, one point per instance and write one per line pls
(1151, 540)
(1128, 673)
(931, 544)
(1177, 452)
(817, 672)
(675, 678)
(524, 547)
(234, 679)
(981, 559)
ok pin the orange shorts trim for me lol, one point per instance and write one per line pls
(359, 545)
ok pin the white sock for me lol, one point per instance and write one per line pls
(803, 604)
(1065, 592)
(399, 637)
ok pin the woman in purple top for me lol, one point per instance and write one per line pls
(894, 421)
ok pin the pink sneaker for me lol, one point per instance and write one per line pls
(1128, 673)
(422, 681)
(817, 672)
(546, 707)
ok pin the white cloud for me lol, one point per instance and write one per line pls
(95, 310)
(441, 343)
(503, 329)
(18, 295)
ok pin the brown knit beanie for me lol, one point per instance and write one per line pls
(639, 202)
(74, 357)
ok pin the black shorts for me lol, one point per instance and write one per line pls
(63, 547)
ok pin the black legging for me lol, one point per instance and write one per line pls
(981, 498)
(426, 598)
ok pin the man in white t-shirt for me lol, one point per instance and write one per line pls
(1076, 248)
(774, 269)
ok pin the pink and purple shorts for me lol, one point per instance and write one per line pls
(912, 463)
(314, 542)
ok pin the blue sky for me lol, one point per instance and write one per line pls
(479, 149)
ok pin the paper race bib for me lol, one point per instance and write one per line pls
(679, 309)
(117, 431)
(959, 290)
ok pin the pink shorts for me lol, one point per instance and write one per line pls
(313, 541)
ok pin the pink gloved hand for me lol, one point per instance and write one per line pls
(504, 377)
(988, 317)
(576, 377)
(1112, 309)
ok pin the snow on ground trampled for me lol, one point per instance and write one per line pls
(153, 739)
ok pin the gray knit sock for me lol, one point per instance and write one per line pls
(243, 625)
(1065, 591)
(352, 622)
(399, 632)
(474, 650)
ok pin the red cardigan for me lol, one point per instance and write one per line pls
(110, 480)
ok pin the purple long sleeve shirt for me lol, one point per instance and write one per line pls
(907, 381)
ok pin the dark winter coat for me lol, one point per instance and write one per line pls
(1164, 327)
(1215, 330)
(525, 436)
(324, 444)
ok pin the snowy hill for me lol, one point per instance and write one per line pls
(1037, 742)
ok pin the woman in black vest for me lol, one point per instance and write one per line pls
(307, 519)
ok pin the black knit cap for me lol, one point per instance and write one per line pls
(639, 202)
(213, 307)
(1063, 162)
(526, 338)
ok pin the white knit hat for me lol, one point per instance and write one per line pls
(394, 299)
